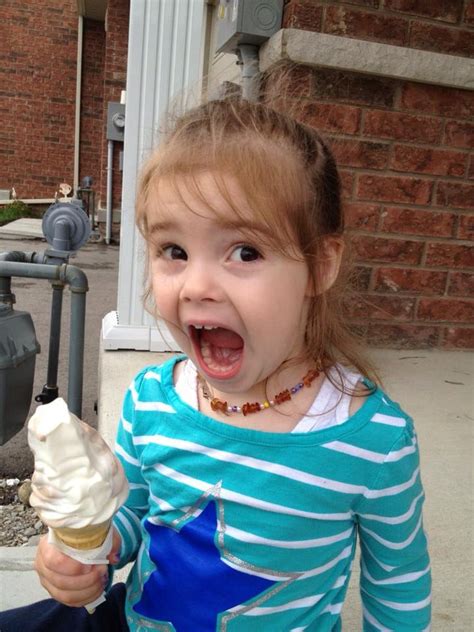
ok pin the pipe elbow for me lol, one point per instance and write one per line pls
(75, 278)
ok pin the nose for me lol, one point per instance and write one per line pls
(201, 283)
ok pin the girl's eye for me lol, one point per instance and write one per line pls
(174, 252)
(245, 253)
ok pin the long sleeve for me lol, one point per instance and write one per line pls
(127, 520)
(395, 568)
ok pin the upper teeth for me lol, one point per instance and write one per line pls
(205, 327)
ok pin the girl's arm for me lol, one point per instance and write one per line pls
(127, 520)
(395, 578)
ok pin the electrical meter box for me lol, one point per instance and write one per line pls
(246, 22)
(115, 121)
(18, 349)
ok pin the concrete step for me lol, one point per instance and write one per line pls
(26, 227)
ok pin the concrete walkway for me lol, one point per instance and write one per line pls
(25, 228)
(436, 388)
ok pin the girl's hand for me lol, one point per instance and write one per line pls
(66, 580)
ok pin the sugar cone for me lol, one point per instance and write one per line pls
(85, 538)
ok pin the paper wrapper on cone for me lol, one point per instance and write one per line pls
(86, 538)
(88, 545)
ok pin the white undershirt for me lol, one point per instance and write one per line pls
(330, 407)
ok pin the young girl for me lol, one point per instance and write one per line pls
(255, 459)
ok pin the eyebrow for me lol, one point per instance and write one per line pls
(257, 227)
(156, 227)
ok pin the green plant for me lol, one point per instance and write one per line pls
(15, 210)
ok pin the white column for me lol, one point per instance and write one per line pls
(166, 53)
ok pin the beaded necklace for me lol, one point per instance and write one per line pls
(218, 405)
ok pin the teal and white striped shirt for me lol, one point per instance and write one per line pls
(236, 529)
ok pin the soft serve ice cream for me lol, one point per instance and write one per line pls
(78, 484)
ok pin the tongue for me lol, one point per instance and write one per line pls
(221, 337)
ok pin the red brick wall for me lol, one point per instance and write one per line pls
(38, 91)
(443, 26)
(407, 166)
(92, 101)
(115, 74)
(38, 50)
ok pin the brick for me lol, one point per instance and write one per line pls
(459, 338)
(446, 310)
(461, 284)
(356, 88)
(470, 171)
(301, 14)
(443, 10)
(347, 182)
(373, 249)
(408, 127)
(364, 154)
(438, 100)
(360, 278)
(441, 39)
(432, 161)
(457, 134)
(449, 255)
(403, 336)
(366, 25)
(361, 216)
(418, 222)
(394, 189)
(331, 117)
(373, 4)
(455, 194)
(466, 227)
(469, 12)
(412, 281)
(378, 307)
(284, 83)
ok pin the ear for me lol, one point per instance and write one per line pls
(327, 265)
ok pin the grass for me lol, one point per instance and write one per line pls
(16, 210)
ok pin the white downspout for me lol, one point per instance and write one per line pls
(77, 124)
(108, 220)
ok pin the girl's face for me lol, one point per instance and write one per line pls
(235, 306)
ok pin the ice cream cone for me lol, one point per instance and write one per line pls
(90, 537)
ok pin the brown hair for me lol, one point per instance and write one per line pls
(292, 184)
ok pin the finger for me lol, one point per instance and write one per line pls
(98, 577)
(75, 591)
(50, 557)
(76, 597)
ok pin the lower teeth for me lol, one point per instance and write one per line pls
(225, 354)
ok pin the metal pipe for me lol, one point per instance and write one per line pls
(76, 352)
(63, 229)
(248, 56)
(6, 294)
(77, 122)
(77, 281)
(55, 335)
(110, 158)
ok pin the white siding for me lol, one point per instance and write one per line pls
(171, 47)
(165, 58)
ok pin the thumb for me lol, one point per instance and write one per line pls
(114, 555)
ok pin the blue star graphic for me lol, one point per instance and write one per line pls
(192, 585)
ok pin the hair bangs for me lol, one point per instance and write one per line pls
(267, 173)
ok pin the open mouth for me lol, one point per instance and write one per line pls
(219, 351)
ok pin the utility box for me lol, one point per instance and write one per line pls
(115, 121)
(18, 349)
(246, 22)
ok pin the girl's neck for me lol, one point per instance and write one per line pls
(279, 418)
